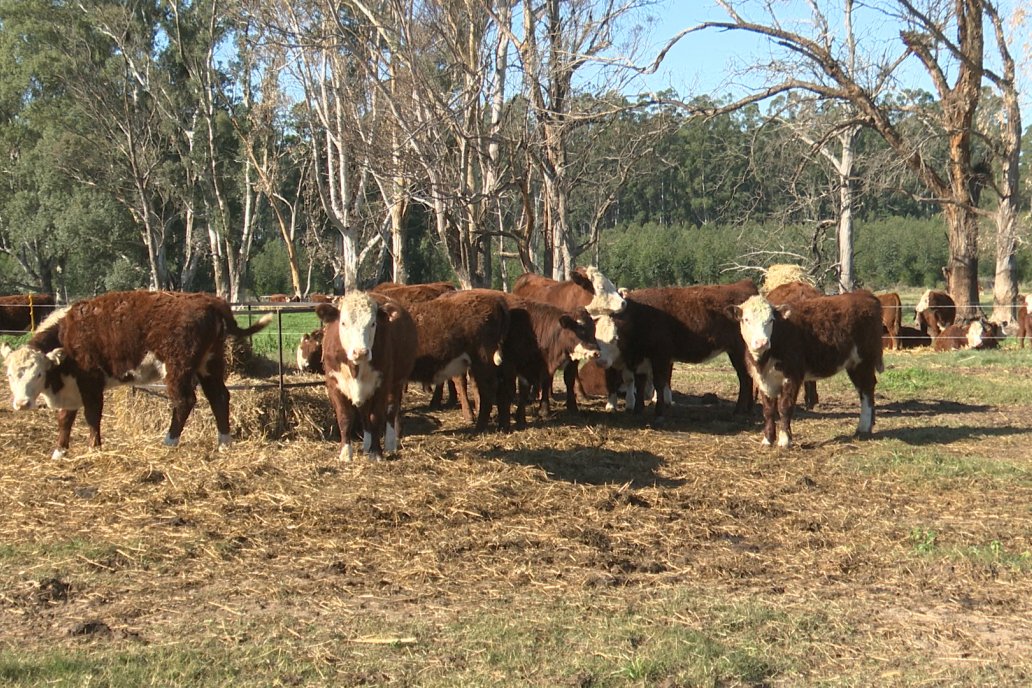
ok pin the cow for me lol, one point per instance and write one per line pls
(935, 311)
(977, 333)
(1024, 321)
(689, 324)
(369, 350)
(277, 298)
(892, 317)
(319, 298)
(310, 351)
(119, 338)
(587, 288)
(541, 338)
(811, 339)
(24, 311)
(790, 293)
(459, 332)
(910, 338)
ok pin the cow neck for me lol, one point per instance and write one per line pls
(46, 340)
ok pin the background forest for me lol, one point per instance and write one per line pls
(249, 147)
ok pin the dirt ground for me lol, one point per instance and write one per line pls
(899, 560)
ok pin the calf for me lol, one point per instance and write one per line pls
(935, 311)
(24, 311)
(971, 334)
(791, 293)
(369, 350)
(892, 317)
(1024, 320)
(910, 338)
(541, 338)
(689, 324)
(135, 337)
(310, 351)
(462, 332)
(812, 339)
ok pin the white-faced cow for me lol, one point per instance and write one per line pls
(459, 332)
(812, 339)
(309, 352)
(369, 350)
(541, 338)
(688, 324)
(935, 311)
(1024, 320)
(128, 338)
(587, 288)
(788, 294)
(978, 333)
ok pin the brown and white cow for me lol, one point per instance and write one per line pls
(459, 332)
(119, 338)
(978, 333)
(541, 338)
(689, 324)
(24, 311)
(369, 350)
(812, 339)
(1024, 320)
(892, 317)
(935, 311)
(791, 293)
(309, 352)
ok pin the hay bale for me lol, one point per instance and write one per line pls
(784, 273)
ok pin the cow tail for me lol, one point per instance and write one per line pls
(235, 330)
(503, 319)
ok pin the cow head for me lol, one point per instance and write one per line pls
(356, 325)
(309, 352)
(27, 374)
(606, 336)
(607, 298)
(582, 328)
(756, 317)
(922, 306)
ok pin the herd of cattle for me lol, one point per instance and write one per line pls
(372, 344)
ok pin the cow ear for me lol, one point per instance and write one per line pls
(784, 309)
(57, 356)
(734, 311)
(567, 322)
(391, 310)
(327, 313)
(579, 276)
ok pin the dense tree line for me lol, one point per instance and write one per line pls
(245, 146)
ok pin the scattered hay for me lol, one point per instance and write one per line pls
(784, 273)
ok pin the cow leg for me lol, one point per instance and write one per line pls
(507, 384)
(485, 377)
(437, 396)
(523, 389)
(745, 383)
(864, 379)
(810, 394)
(215, 391)
(770, 414)
(614, 378)
(345, 412)
(392, 432)
(92, 409)
(65, 419)
(181, 392)
(570, 378)
(786, 409)
(375, 420)
(461, 382)
(545, 397)
(662, 371)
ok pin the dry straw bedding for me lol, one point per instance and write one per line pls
(172, 543)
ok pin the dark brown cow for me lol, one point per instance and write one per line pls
(910, 338)
(892, 317)
(788, 294)
(689, 324)
(134, 337)
(814, 338)
(24, 311)
(935, 311)
(460, 332)
(310, 351)
(978, 333)
(1024, 326)
(369, 350)
(541, 338)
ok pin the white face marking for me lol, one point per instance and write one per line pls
(922, 306)
(783, 439)
(580, 353)
(455, 367)
(390, 440)
(866, 415)
(26, 375)
(757, 323)
(358, 389)
(607, 299)
(357, 325)
(974, 334)
(605, 335)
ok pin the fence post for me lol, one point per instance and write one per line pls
(282, 390)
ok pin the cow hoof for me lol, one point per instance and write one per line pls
(766, 442)
(58, 454)
(376, 458)
(171, 441)
(225, 441)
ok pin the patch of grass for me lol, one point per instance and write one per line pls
(926, 464)
(926, 542)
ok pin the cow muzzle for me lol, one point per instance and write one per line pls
(759, 346)
(358, 355)
(24, 404)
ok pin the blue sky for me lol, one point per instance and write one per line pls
(709, 62)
